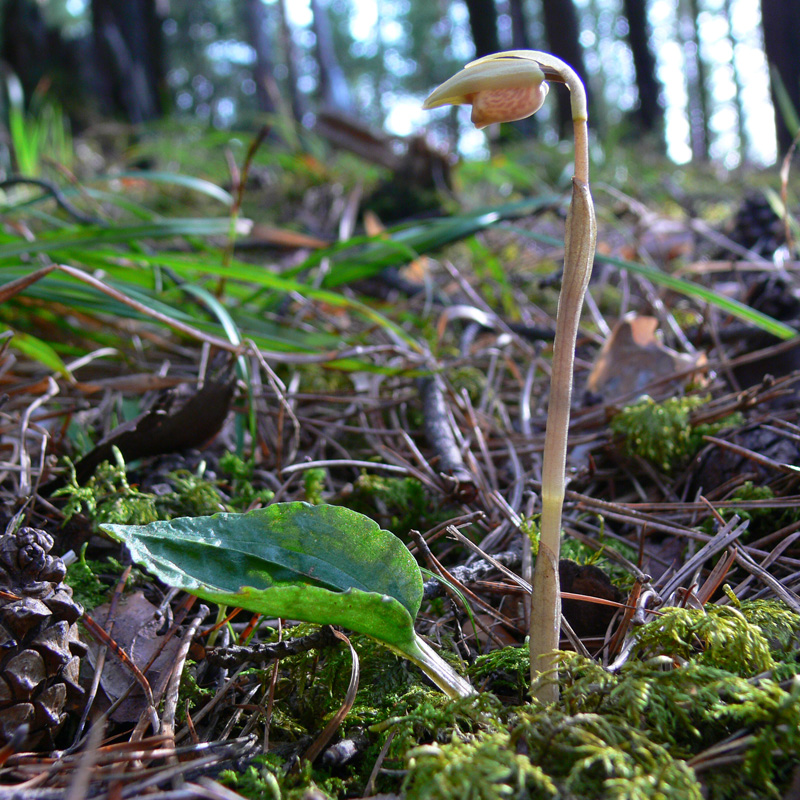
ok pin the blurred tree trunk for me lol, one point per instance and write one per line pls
(738, 97)
(781, 23)
(561, 29)
(130, 57)
(291, 59)
(25, 42)
(333, 83)
(483, 24)
(519, 26)
(696, 81)
(254, 17)
(520, 40)
(649, 113)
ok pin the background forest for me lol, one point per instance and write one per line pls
(695, 76)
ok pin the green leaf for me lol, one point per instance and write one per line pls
(288, 560)
(323, 564)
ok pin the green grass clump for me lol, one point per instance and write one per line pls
(663, 433)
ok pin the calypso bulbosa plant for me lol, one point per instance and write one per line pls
(504, 87)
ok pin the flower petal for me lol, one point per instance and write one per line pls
(507, 105)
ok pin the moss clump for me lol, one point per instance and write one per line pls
(503, 671)
(484, 768)
(663, 433)
(87, 588)
(718, 636)
(398, 503)
(109, 497)
(763, 520)
(602, 756)
(313, 485)
(242, 492)
(266, 779)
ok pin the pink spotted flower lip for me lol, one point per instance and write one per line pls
(500, 89)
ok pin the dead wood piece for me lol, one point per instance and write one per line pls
(180, 419)
(439, 433)
(471, 573)
(235, 656)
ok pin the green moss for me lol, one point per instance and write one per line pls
(484, 768)
(602, 756)
(718, 636)
(265, 779)
(663, 433)
(313, 485)
(503, 671)
(243, 494)
(87, 588)
(109, 497)
(399, 504)
(763, 520)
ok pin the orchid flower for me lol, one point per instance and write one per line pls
(504, 87)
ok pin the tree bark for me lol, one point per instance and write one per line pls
(738, 97)
(333, 83)
(130, 57)
(483, 24)
(649, 113)
(25, 43)
(291, 59)
(696, 82)
(255, 24)
(561, 29)
(781, 22)
(520, 40)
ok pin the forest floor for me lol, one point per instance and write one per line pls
(226, 326)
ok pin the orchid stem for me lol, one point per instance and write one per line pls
(504, 87)
(579, 244)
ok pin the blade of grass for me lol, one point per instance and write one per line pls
(686, 288)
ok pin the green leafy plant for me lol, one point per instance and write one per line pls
(322, 564)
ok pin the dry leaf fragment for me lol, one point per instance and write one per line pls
(633, 356)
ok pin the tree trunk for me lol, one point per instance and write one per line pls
(781, 22)
(520, 40)
(254, 16)
(130, 57)
(291, 59)
(25, 43)
(561, 29)
(519, 26)
(738, 97)
(483, 24)
(696, 82)
(333, 84)
(649, 113)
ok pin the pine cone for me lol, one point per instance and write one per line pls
(39, 646)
